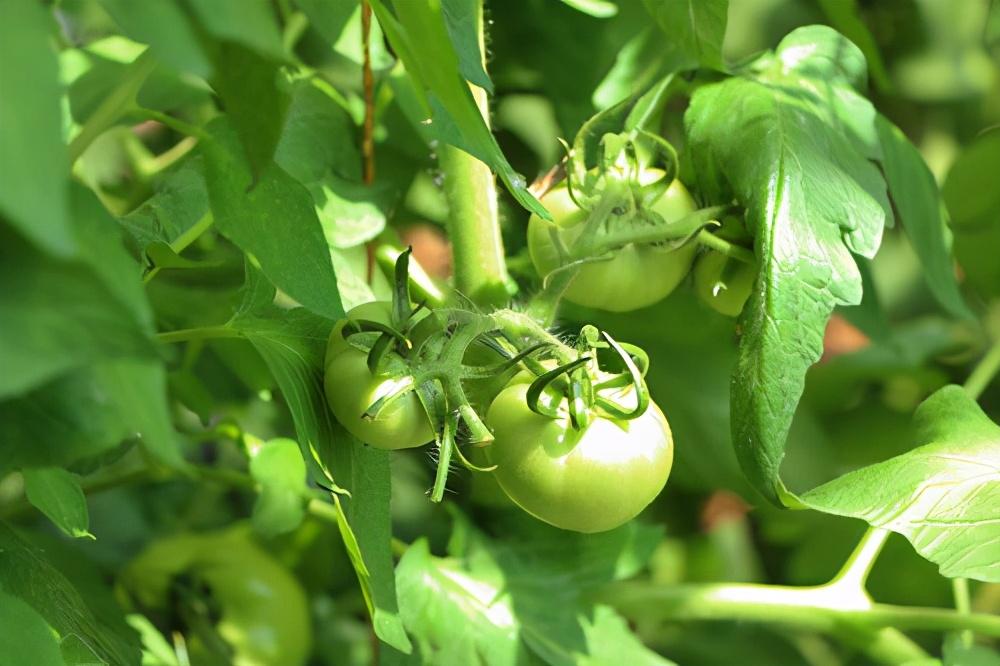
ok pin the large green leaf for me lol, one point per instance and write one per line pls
(418, 33)
(293, 344)
(33, 161)
(87, 412)
(272, 218)
(164, 26)
(255, 103)
(36, 641)
(522, 599)
(252, 23)
(792, 141)
(62, 314)
(944, 496)
(27, 575)
(918, 203)
(462, 19)
(697, 27)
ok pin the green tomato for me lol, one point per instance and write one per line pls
(637, 276)
(263, 611)
(351, 387)
(724, 284)
(588, 481)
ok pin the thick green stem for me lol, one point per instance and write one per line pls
(114, 106)
(827, 608)
(473, 220)
(984, 372)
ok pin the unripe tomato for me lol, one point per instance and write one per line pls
(637, 276)
(350, 389)
(588, 481)
(714, 269)
(263, 611)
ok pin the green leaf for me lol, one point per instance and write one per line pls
(155, 648)
(61, 314)
(419, 37)
(974, 204)
(87, 412)
(522, 599)
(293, 344)
(26, 574)
(33, 161)
(843, 16)
(595, 8)
(36, 641)
(164, 26)
(57, 493)
(255, 103)
(944, 496)
(462, 20)
(180, 200)
(274, 221)
(351, 213)
(248, 22)
(279, 469)
(793, 144)
(697, 27)
(319, 135)
(918, 204)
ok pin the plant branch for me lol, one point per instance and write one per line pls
(473, 217)
(121, 99)
(723, 246)
(200, 333)
(825, 608)
(859, 564)
(182, 242)
(984, 372)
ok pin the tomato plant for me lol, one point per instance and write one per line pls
(347, 333)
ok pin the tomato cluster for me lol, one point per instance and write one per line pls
(598, 450)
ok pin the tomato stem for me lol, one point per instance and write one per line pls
(984, 372)
(114, 106)
(721, 245)
(854, 573)
(473, 218)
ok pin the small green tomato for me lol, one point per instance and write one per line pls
(351, 388)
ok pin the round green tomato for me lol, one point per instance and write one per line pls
(588, 481)
(724, 284)
(637, 276)
(263, 611)
(351, 388)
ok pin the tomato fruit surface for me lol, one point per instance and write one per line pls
(263, 613)
(636, 276)
(590, 480)
(351, 388)
(713, 269)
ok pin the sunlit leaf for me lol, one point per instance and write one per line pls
(792, 142)
(944, 496)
